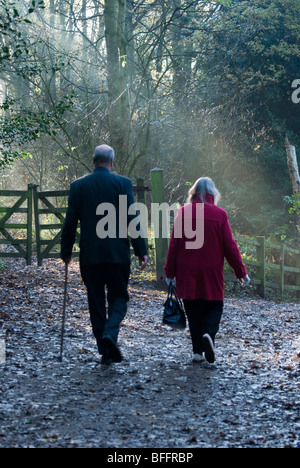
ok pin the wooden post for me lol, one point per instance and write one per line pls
(141, 194)
(29, 224)
(298, 274)
(37, 225)
(141, 198)
(261, 270)
(161, 242)
(282, 269)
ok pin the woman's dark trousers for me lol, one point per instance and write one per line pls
(204, 317)
(107, 311)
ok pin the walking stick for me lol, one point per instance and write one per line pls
(64, 314)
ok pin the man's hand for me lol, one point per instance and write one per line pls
(143, 262)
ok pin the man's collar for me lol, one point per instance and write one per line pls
(101, 169)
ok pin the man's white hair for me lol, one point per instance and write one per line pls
(103, 154)
(201, 188)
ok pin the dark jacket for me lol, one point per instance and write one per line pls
(86, 194)
(200, 273)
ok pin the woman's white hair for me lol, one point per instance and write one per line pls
(201, 188)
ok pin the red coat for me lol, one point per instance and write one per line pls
(200, 273)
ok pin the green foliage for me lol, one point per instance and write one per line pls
(19, 129)
(13, 43)
(294, 210)
(294, 201)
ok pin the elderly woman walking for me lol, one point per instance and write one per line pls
(199, 272)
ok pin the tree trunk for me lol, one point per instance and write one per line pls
(293, 166)
(115, 18)
(182, 48)
(50, 75)
(294, 173)
(177, 54)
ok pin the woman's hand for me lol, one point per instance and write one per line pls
(171, 281)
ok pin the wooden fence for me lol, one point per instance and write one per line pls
(271, 265)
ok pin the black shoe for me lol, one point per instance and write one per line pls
(209, 349)
(100, 347)
(106, 361)
(112, 350)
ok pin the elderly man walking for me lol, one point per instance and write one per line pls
(104, 255)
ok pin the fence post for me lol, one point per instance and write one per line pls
(282, 268)
(29, 224)
(298, 274)
(161, 242)
(141, 196)
(37, 225)
(261, 270)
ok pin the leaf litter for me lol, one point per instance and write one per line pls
(156, 398)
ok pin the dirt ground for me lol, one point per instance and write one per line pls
(156, 398)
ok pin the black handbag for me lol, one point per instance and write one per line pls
(174, 314)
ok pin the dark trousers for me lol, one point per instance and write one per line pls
(204, 317)
(107, 288)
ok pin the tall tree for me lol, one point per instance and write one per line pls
(116, 46)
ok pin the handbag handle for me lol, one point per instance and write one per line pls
(172, 290)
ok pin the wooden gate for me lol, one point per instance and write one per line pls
(50, 209)
(15, 232)
(49, 212)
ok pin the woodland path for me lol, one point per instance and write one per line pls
(156, 398)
